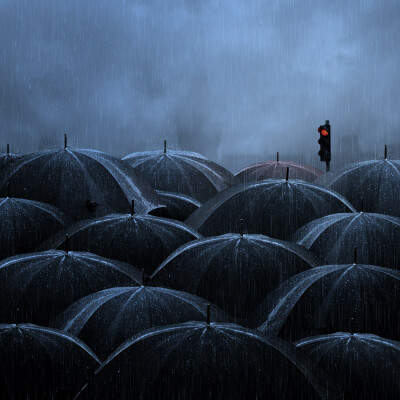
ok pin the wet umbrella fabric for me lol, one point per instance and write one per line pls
(233, 271)
(375, 183)
(179, 206)
(106, 319)
(332, 298)
(181, 171)
(143, 241)
(272, 207)
(365, 366)
(24, 224)
(37, 287)
(6, 159)
(82, 183)
(199, 361)
(40, 363)
(277, 170)
(334, 238)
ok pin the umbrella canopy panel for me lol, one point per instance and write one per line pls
(370, 185)
(234, 271)
(334, 237)
(82, 183)
(276, 208)
(104, 320)
(200, 361)
(143, 241)
(181, 171)
(333, 298)
(25, 224)
(365, 366)
(277, 170)
(179, 206)
(37, 287)
(42, 363)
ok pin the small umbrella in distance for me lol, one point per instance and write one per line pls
(365, 366)
(334, 237)
(143, 241)
(333, 298)
(37, 287)
(104, 320)
(273, 207)
(198, 360)
(377, 182)
(25, 224)
(277, 170)
(179, 206)
(181, 171)
(234, 271)
(82, 183)
(41, 363)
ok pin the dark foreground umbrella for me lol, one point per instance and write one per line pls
(375, 181)
(105, 319)
(277, 170)
(332, 298)
(334, 238)
(83, 183)
(141, 240)
(24, 224)
(182, 172)
(42, 363)
(204, 361)
(179, 206)
(236, 272)
(272, 207)
(8, 157)
(365, 366)
(36, 287)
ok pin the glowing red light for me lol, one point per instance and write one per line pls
(324, 132)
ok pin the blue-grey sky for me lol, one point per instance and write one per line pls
(236, 80)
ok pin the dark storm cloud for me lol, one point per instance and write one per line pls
(234, 80)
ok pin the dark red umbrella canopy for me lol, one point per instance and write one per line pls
(277, 170)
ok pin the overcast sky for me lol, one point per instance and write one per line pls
(233, 79)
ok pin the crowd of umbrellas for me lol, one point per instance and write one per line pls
(165, 276)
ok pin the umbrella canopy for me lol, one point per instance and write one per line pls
(140, 240)
(196, 360)
(334, 238)
(24, 224)
(377, 182)
(82, 183)
(234, 271)
(277, 170)
(365, 366)
(179, 206)
(104, 320)
(272, 207)
(37, 287)
(181, 171)
(332, 298)
(8, 158)
(42, 363)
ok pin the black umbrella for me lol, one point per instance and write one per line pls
(40, 363)
(334, 238)
(365, 366)
(234, 271)
(8, 157)
(333, 298)
(104, 320)
(271, 207)
(277, 170)
(37, 287)
(196, 360)
(376, 181)
(179, 206)
(141, 240)
(181, 171)
(82, 183)
(24, 224)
